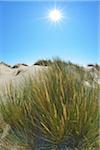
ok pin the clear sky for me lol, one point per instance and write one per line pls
(26, 36)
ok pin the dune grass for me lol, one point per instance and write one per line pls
(54, 111)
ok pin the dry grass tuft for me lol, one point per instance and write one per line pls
(54, 111)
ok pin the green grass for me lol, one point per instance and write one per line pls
(55, 110)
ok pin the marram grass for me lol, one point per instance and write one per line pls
(54, 111)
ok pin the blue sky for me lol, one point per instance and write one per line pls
(25, 36)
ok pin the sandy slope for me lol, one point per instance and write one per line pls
(16, 75)
(9, 73)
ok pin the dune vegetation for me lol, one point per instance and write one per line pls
(54, 111)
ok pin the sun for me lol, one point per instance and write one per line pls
(55, 15)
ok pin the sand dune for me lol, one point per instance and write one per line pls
(17, 72)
